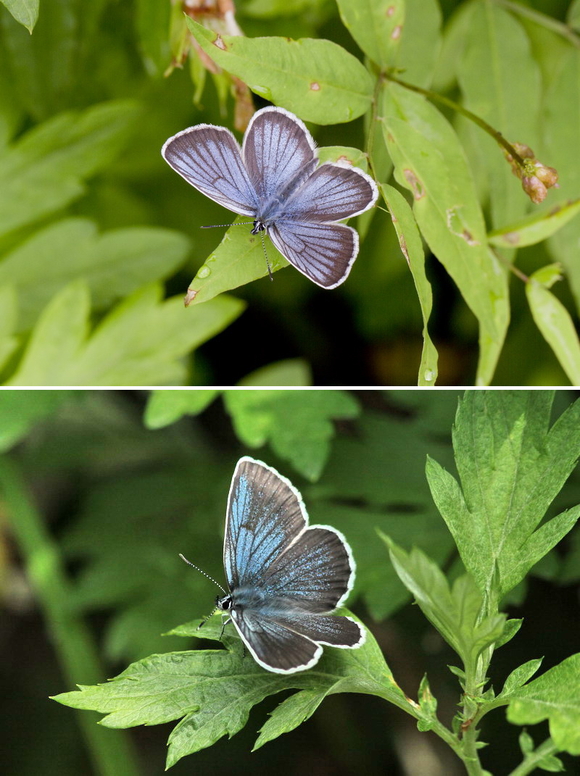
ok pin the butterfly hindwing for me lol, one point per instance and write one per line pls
(323, 252)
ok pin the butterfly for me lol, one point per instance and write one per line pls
(276, 179)
(284, 576)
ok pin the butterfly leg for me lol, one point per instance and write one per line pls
(224, 623)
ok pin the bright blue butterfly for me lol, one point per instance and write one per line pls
(276, 180)
(284, 576)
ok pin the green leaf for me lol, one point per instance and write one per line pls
(262, 416)
(376, 26)
(114, 264)
(519, 676)
(44, 171)
(20, 411)
(554, 320)
(383, 491)
(497, 44)
(511, 465)
(455, 611)
(289, 714)
(166, 407)
(140, 342)
(536, 227)
(152, 22)
(412, 248)
(291, 371)
(237, 260)
(214, 691)
(315, 79)
(560, 138)
(420, 41)
(9, 307)
(511, 628)
(24, 11)
(430, 162)
(573, 15)
(554, 696)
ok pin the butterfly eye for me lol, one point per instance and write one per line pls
(224, 603)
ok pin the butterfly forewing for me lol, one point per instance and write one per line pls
(209, 158)
(278, 152)
(265, 513)
(321, 251)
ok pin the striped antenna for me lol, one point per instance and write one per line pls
(202, 572)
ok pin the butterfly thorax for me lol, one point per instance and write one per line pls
(247, 597)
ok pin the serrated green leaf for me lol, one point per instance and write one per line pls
(289, 714)
(536, 227)
(45, 169)
(141, 342)
(316, 79)
(554, 696)
(511, 628)
(455, 611)
(376, 25)
(519, 676)
(214, 691)
(114, 264)
(24, 11)
(166, 407)
(262, 416)
(511, 465)
(412, 248)
(554, 321)
(430, 162)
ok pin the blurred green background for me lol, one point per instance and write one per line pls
(96, 503)
(368, 332)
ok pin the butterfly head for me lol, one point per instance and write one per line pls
(224, 603)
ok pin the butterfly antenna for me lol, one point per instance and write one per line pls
(205, 575)
(266, 257)
(215, 226)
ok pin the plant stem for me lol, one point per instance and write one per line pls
(544, 21)
(110, 750)
(497, 136)
(531, 760)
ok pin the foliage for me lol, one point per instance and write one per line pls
(415, 91)
(508, 507)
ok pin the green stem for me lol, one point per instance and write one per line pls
(531, 760)
(545, 21)
(111, 750)
(497, 136)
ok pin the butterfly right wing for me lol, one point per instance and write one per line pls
(278, 152)
(209, 158)
(265, 513)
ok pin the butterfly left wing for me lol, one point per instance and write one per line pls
(209, 158)
(324, 252)
(265, 513)
(288, 643)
